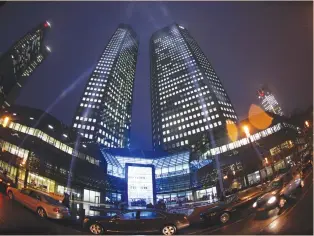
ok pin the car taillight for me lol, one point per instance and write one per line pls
(56, 209)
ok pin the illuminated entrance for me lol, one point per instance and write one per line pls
(140, 185)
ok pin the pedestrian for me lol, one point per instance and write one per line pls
(66, 200)
(163, 206)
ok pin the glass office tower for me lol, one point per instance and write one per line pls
(19, 62)
(104, 111)
(268, 101)
(188, 100)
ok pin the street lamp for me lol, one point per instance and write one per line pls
(307, 123)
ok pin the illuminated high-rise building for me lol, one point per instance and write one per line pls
(104, 111)
(268, 101)
(189, 102)
(20, 61)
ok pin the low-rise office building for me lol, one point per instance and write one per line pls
(39, 151)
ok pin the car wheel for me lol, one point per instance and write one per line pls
(169, 230)
(281, 205)
(225, 217)
(96, 229)
(10, 195)
(41, 212)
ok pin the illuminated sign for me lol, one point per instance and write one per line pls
(140, 187)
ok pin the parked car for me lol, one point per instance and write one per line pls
(43, 204)
(5, 182)
(137, 221)
(281, 190)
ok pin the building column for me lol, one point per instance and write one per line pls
(246, 180)
(17, 176)
(25, 179)
(102, 197)
(194, 195)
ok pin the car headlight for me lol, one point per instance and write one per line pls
(254, 204)
(272, 200)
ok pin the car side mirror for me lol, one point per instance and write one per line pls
(38, 198)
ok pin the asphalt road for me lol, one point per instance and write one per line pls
(15, 219)
(296, 219)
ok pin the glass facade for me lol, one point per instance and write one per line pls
(22, 59)
(104, 112)
(279, 165)
(254, 178)
(171, 165)
(175, 197)
(242, 142)
(44, 137)
(91, 196)
(207, 194)
(11, 170)
(269, 102)
(188, 99)
(41, 183)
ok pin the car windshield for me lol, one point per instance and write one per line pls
(51, 200)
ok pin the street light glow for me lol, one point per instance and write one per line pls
(6, 121)
(246, 130)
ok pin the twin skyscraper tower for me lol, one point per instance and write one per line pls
(188, 101)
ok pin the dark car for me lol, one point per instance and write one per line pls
(216, 214)
(278, 192)
(5, 182)
(137, 221)
(223, 212)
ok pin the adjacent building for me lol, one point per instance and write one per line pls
(188, 100)
(104, 111)
(268, 101)
(19, 62)
(178, 176)
(38, 152)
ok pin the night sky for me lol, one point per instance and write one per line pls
(248, 44)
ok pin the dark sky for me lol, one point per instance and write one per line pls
(248, 44)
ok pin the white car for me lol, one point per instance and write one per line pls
(39, 202)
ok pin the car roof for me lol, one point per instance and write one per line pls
(41, 192)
